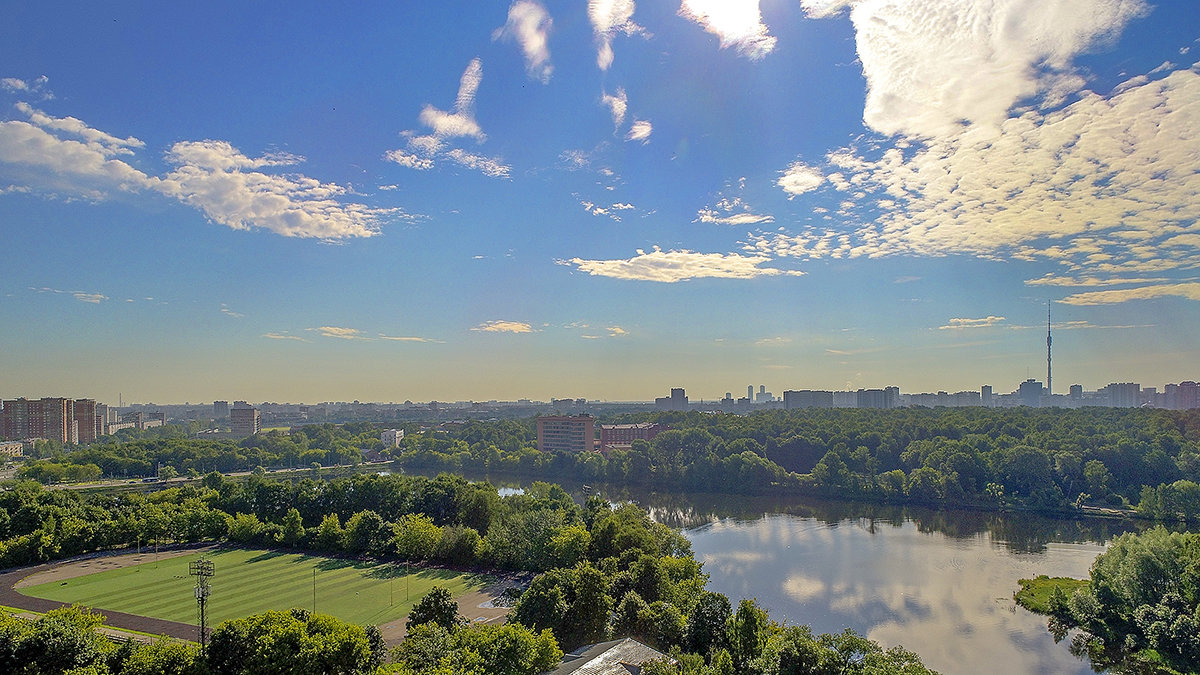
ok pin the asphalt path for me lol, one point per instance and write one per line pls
(10, 597)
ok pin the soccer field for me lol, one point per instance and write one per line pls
(252, 581)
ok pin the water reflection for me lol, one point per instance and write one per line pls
(937, 582)
(947, 598)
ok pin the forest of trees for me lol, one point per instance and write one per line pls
(1040, 458)
(604, 571)
(1051, 459)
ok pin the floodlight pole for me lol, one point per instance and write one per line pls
(203, 570)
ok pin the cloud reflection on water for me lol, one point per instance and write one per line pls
(949, 599)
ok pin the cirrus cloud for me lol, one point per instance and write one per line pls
(1187, 290)
(529, 24)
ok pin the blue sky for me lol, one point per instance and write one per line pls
(463, 200)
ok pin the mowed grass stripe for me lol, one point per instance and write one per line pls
(253, 581)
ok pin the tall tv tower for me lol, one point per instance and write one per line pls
(1049, 380)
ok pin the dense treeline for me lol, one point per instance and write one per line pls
(991, 458)
(1042, 458)
(322, 444)
(1141, 606)
(605, 571)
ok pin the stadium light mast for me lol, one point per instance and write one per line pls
(203, 570)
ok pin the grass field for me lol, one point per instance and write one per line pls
(248, 582)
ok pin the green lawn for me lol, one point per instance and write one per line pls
(248, 582)
(1034, 594)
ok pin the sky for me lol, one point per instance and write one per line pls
(482, 200)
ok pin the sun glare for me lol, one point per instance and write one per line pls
(735, 22)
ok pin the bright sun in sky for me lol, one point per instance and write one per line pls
(603, 199)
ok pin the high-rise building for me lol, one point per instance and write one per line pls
(1030, 392)
(220, 409)
(807, 398)
(1187, 396)
(678, 400)
(391, 438)
(985, 396)
(562, 433)
(244, 420)
(88, 424)
(875, 398)
(1122, 394)
(52, 418)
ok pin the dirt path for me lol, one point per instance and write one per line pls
(476, 606)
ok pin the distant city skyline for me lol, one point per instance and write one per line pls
(457, 201)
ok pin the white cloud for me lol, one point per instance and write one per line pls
(461, 121)
(500, 326)
(799, 178)
(82, 296)
(617, 331)
(683, 265)
(488, 166)
(622, 206)
(410, 160)
(447, 125)
(1188, 290)
(1051, 279)
(85, 164)
(529, 24)
(640, 131)
(340, 333)
(609, 18)
(404, 338)
(738, 24)
(732, 211)
(68, 155)
(283, 336)
(618, 104)
(1104, 187)
(36, 86)
(773, 341)
(985, 322)
(110, 144)
(933, 65)
(230, 313)
(216, 178)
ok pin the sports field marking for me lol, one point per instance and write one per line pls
(253, 581)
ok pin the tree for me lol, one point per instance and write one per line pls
(705, 630)
(366, 532)
(747, 633)
(330, 536)
(293, 527)
(279, 643)
(416, 537)
(438, 607)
